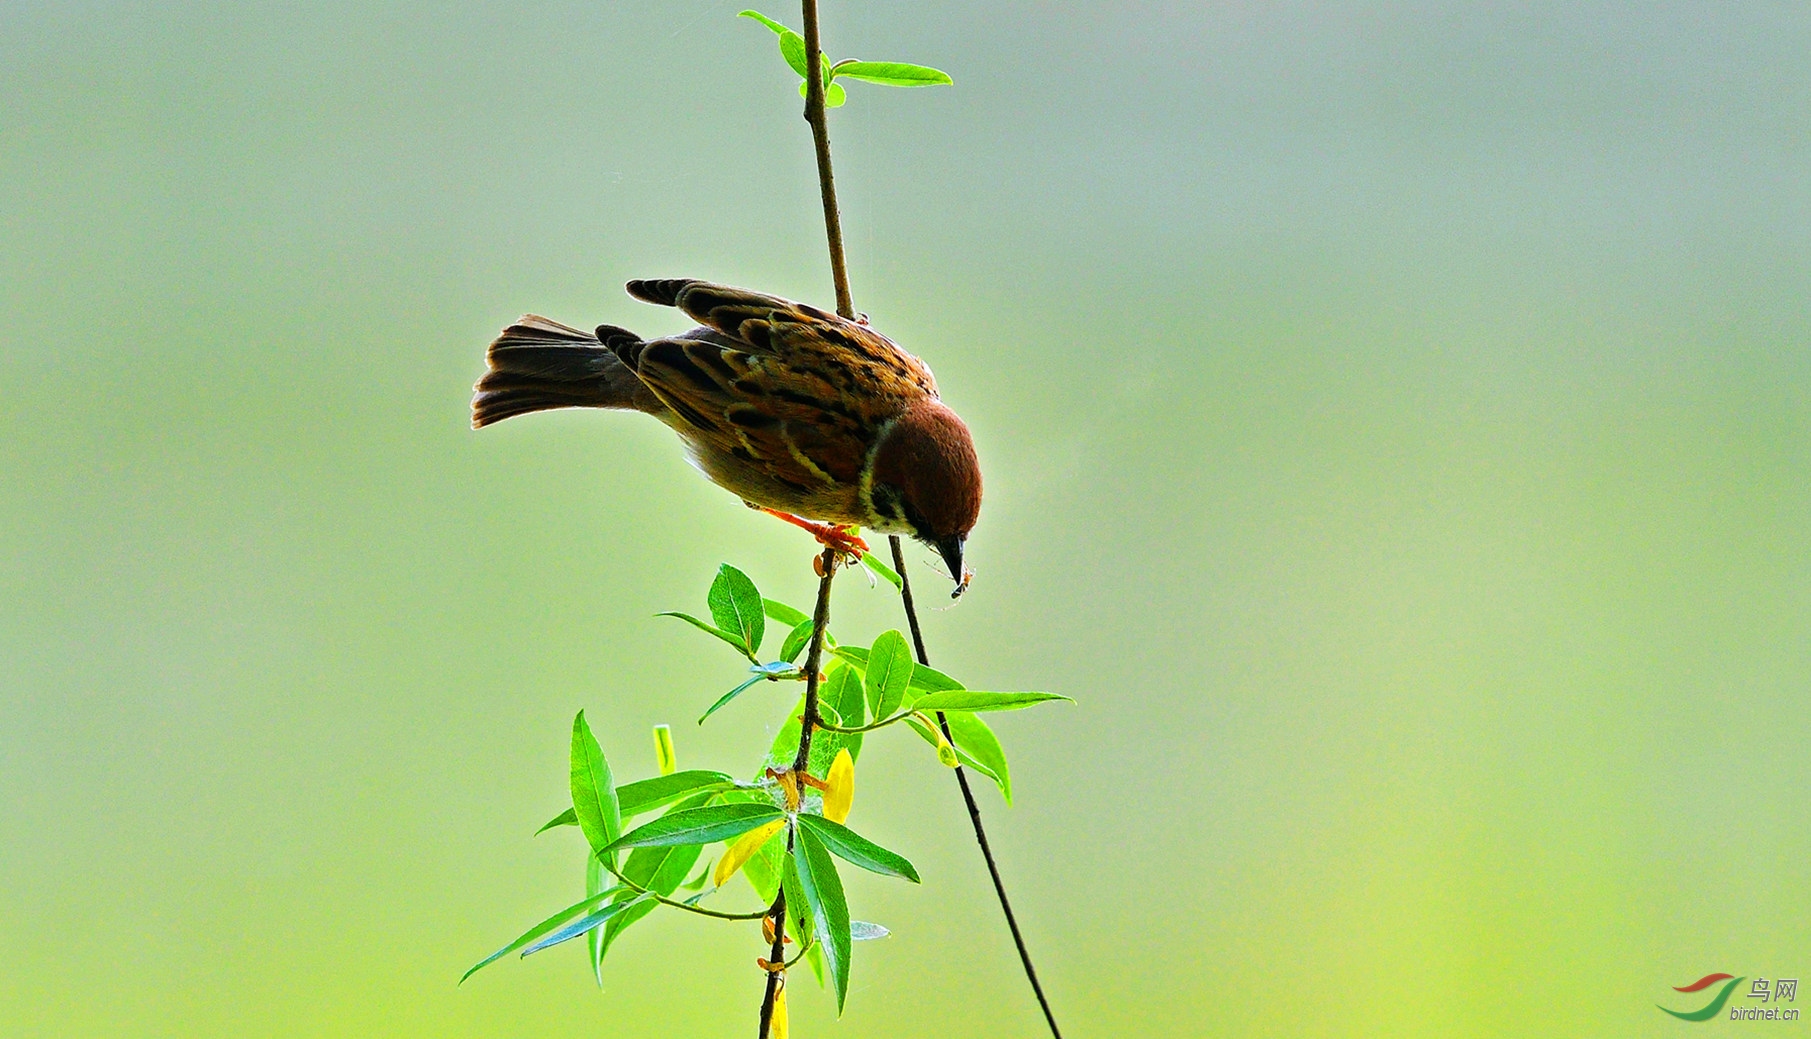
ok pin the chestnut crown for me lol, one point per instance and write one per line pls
(926, 476)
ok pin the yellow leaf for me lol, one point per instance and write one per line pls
(663, 750)
(776, 1025)
(743, 850)
(839, 791)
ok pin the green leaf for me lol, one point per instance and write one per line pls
(888, 673)
(736, 606)
(733, 640)
(584, 924)
(546, 926)
(975, 700)
(645, 795)
(979, 748)
(594, 940)
(798, 915)
(842, 693)
(658, 869)
(697, 882)
(927, 679)
(727, 697)
(764, 20)
(823, 891)
(593, 791)
(893, 73)
(853, 847)
(785, 746)
(863, 931)
(834, 95)
(565, 818)
(796, 642)
(783, 613)
(872, 562)
(765, 867)
(698, 826)
(792, 48)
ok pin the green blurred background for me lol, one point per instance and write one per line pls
(1397, 424)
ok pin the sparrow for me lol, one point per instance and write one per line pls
(806, 414)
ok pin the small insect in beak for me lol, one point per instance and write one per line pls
(962, 585)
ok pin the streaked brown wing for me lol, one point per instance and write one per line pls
(802, 428)
(861, 362)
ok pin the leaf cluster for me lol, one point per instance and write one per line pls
(645, 838)
(886, 73)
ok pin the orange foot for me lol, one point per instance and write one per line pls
(849, 546)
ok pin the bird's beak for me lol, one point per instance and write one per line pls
(950, 549)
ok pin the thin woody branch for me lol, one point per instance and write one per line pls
(815, 115)
(808, 720)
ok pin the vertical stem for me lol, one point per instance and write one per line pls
(845, 305)
(826, 180)
(820, 622)
(968, 798)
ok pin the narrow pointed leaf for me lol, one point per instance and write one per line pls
(980, 749)
(927, 679)
(796, 641)
(853, 847)
(785, 746)
(894, 73)
(733, 640)
(736, 607)
(764, 20)
(678, 859)
(594, 940)
(783, 613)
(872, 562)
(698, 826)
(661, 870)
(727, 697)
(586, 923)
(888, 673)
(798, 914)
(842, 693)
(565, 818)
(823, 891)
(863, 931)
(742, 849)
(593, 790)
(814, 958)
(792, 48)
(645, 795)
(547, 926)
(975, 700)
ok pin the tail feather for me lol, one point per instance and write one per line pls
(537, 364)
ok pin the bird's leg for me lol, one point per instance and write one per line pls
(848, 545)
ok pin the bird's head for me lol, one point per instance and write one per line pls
(925, 478)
